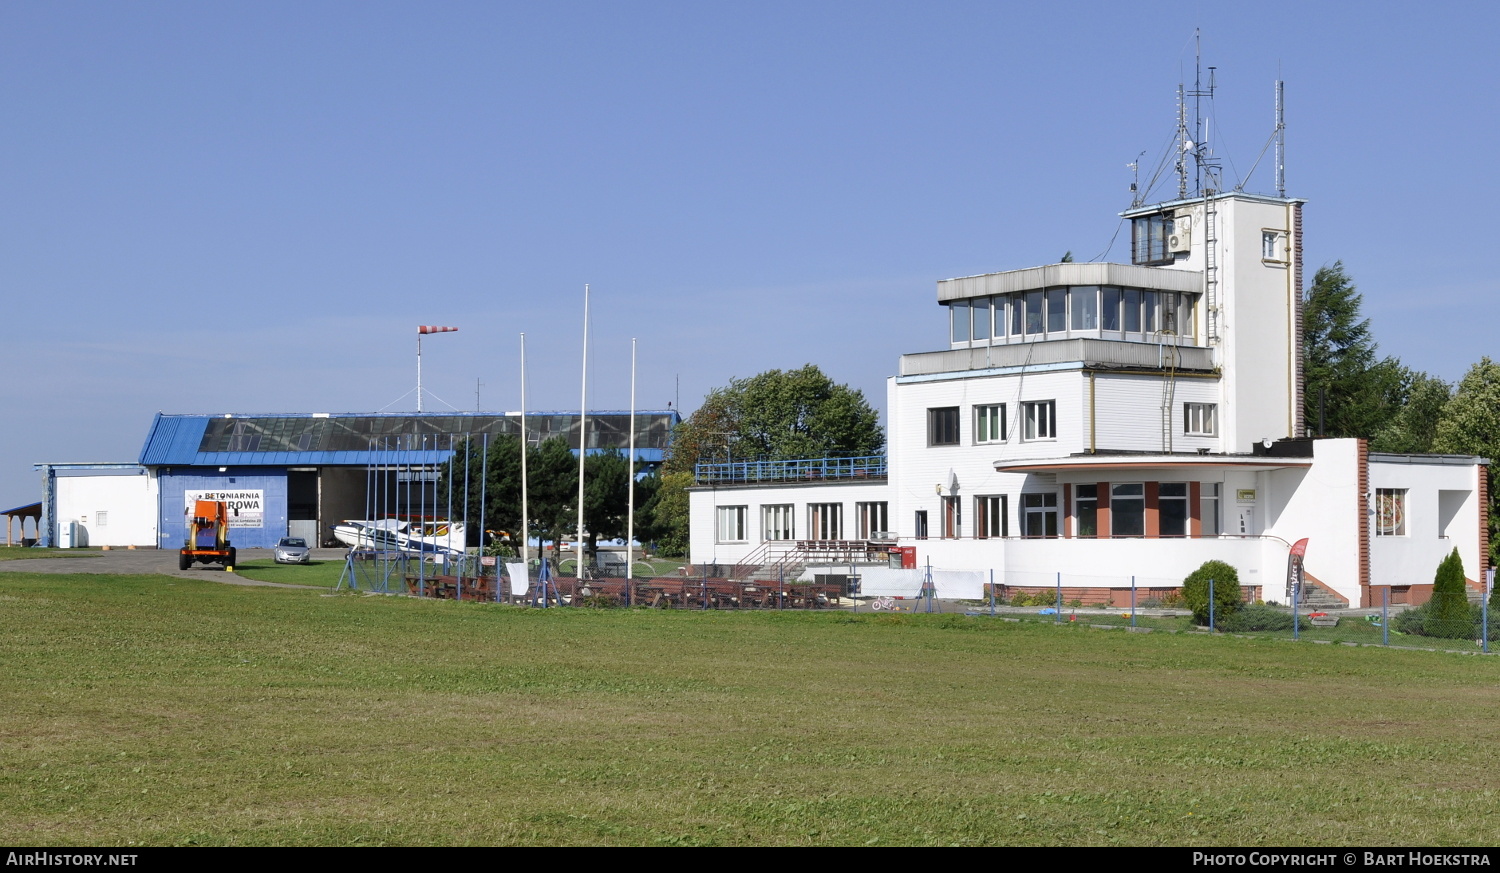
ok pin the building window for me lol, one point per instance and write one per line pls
(1086, 509)
(776, 522)
(989, 423)
(1127, 510)
(1208, 501)
(1041, 419)
(1035, 303)
(1149, 235)
(980, 318)
(1039, 515)
(958, 311)
(872, 521)
(825, 521)
(1390, 512)
(1200, 419)
(1273, 246)
(732, 524)
(990, 518)
(942, 426)
(921, 524)
(1057, 310)
(101, 519)
(1085, 305)
(1172, 509)
(952, 518)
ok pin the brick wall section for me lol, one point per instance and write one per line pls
(1484, 520)
(1299, 377)
(1361, 505)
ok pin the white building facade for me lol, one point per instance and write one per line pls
(1112, 426)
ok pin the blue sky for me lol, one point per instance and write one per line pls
(250, 206)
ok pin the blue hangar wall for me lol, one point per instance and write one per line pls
(256, 496)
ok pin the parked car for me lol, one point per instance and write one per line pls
(293, 550)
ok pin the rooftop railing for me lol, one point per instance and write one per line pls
(798, 470)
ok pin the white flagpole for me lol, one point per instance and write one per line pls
(583, 429)
(630, 482)
(525, 514)
(419, 369)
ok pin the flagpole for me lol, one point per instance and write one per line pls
(419, 369)
(525, 514)
(583, 429)
(630, 480)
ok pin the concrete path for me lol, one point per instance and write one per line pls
(161, 562)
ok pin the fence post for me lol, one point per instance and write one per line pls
(1132, 601)
(1484, 622)
(1210, 606)
(992, 592)
(1057, 618)
(1385, 615)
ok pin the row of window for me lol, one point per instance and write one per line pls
(1039, 422)
(1079, 310)
(825, 521)
(1039, 516)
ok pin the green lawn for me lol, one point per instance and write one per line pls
(153, 710)
(16, 553)
(323, 574)
(1353, 629)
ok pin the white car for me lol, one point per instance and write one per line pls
(293, 550)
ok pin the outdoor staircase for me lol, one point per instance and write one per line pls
(1317, 599)
(785, 560)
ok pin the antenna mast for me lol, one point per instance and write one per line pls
(1183, 144)
(1280, 140)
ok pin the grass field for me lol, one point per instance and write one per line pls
(154, 710)
(325, 574)
(20, 554)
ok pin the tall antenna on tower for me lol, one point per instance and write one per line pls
(1183, 144)
(1280, 140)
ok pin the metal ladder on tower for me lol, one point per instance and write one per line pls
(1211, 269)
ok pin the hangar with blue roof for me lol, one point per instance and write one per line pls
(297, 474)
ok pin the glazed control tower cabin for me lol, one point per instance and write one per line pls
(1113, 425)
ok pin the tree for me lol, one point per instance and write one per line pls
(1226, 590)
(1360, 393)
(777, 415)
(668, 514)
(1413, 429)
(1449, 615)
(1470, 425)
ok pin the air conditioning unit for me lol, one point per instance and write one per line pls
(1181, 237)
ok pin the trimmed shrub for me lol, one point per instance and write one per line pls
(1226, 591)
(1448, 612)
(1259, 617)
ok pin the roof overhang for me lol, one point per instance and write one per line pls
(1079, 463)
(1052, 275)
